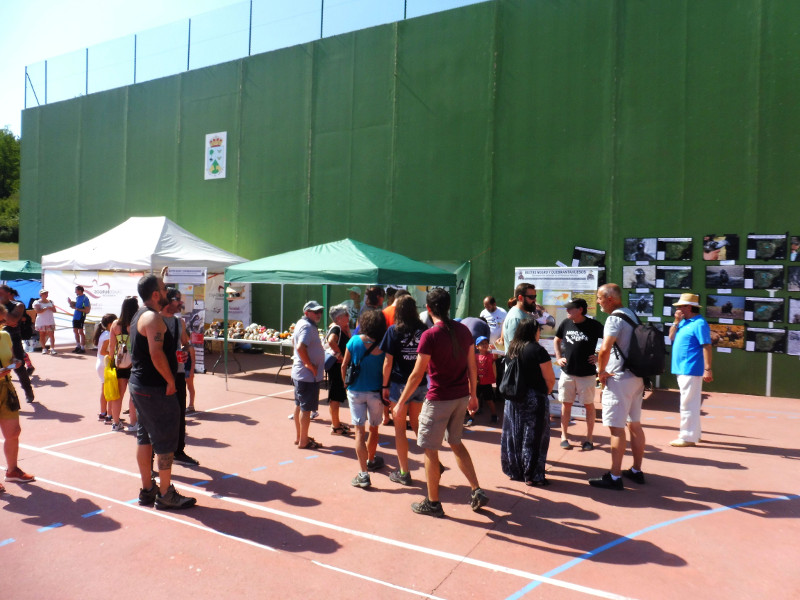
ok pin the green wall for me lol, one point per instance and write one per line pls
(504, 133)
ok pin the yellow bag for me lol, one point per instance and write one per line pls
(110, 384)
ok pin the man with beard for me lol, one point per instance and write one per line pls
(525, 293)
(152, 389)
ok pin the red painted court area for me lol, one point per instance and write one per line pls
(716, 521)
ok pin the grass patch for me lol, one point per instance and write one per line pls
(9, 251)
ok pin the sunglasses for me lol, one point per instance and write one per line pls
(531, 297)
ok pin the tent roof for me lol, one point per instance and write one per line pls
(344, 262)
(141, 243)
(20, 269)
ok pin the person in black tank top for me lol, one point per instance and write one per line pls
(152, 388)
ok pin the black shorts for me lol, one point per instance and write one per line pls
(78, 323)
(158, 416)
(485, 392)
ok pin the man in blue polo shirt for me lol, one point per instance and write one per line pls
(691, 362)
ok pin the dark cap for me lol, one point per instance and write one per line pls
(577, 303)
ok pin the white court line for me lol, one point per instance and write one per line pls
(355, 533)
(372, 579)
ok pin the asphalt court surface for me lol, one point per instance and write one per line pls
(715, 521)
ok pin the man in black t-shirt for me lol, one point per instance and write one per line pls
(575, 345)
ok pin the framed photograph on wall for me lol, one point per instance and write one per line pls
(794, 251)
(673, 277)
(727, 277)
(766, 247)
(721, 247)
(793, 343)
(674, 249)
(764, 310)
(763, 277)
(724, 307)
(727, 336)
(793, 280)
(669, 300)
(794, 311)
(641, 304)
(640, 250)
(639, 277)
(760, 339)
(588, 257)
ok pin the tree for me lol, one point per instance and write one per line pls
(9, 163)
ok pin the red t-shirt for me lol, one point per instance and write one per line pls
(485, 370)
(449, 376)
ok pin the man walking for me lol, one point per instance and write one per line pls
(622, 393)
(691, 362)
(446, 352)
(575, 345)
(15, 310)
(152, 389)
(308, 364)
(82, 307)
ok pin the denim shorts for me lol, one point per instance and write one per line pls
(306, 395)
(396, 390)
(158, 416)
(363, 405)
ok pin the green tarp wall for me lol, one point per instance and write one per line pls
(505, 133)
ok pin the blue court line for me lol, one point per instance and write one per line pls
(7, 541)
(286, 462)
(229, 475)
(337, 451)
(618, 541)
(49, 527)
(259, 468)
(93, 513)
(199, 483)
(312, 456)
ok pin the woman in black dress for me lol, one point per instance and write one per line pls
(338, 336)
(526, 424)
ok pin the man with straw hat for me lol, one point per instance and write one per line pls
(691, 362)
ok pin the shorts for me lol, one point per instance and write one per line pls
(123, 373)
(45, 328)
(396, 390)
(100, 367)
(485, 393)
(306, 395)
(622, 400)
(158, 416)
(363, 405)
(578, 388)
(441, 420)
(78, 323)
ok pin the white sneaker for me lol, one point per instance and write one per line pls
(52, 352)
(44, 350)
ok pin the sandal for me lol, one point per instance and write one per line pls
(340, 430)
(312, 444)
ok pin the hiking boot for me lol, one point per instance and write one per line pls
(172, 499)
(399, 477)
(607, 482)
(375, 464)
(147, 497)
(426, 507)
(478, 499)
(635, 476)
(17, 475)
(587, 445)
(185, 459)
(361, 481)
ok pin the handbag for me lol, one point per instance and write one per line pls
(354, 369)
(513, 386)
(122, 360)
(110, 383)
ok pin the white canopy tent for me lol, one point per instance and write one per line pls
(108, 266)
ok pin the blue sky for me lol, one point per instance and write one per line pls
(59, 31)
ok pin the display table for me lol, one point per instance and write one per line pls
(281, 345)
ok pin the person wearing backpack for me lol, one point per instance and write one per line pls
(691, 363)
(622, 390)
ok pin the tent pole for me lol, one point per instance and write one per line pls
(281, 326)
(325, 293)
(225, 330)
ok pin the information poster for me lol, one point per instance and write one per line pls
(191, 283)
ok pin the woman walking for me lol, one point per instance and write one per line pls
(120, 338)
(526, 424)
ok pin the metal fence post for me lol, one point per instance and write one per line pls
(189, 45)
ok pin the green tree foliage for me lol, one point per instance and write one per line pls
(9, 186)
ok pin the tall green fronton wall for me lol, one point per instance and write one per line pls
(504, 133)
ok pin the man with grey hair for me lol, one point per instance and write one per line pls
(623, 391)
(308, 364)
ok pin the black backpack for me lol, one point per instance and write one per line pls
(513, 385)
(647, 353)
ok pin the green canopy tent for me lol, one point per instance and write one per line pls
(346, 262)
(20, 269)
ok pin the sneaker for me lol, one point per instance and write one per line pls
(44, 350)
(608, 482)
(314, 414)
(29, 398)
(77, 350)
(566, 445)
(587, 445)
(426, 507)
(401, 478)
(30, 370)
(118, 426)
(19, 476)
(635, 476)
(185, 459)
(468, 422)
(101, 416)
(361, 481)
(375, 464)
(478, 499)
(172, 499)
(189, 410)
(53, 352)
(148, 497)
(133, 428)
(109, 419)
(679, 443)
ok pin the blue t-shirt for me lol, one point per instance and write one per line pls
(403, 349)
(370, 378)
(687, 347)
(80, 302)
